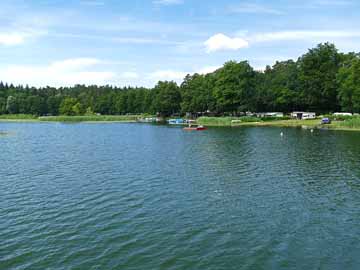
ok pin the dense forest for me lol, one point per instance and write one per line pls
(322, 80)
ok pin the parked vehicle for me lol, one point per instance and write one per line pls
(303, 115)
(325, 121)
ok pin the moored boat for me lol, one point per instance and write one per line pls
(177, 121)
(195, 128)
(148, 120)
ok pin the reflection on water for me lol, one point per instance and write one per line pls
(127, 196)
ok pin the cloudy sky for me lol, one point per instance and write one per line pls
(138, 42)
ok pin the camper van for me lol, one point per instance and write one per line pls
(303, 115)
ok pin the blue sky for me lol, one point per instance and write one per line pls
(138, 42)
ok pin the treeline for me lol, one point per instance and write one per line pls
(322, 80)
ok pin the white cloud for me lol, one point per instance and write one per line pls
(167, 75)
(129, 75)
(19, 36)
(120, 40)
(206, 70)
(12, 39)
(221, 42)
(175, 75)
(60, 73)
(254, 8)
(302, 35)
(74, 64)
(168, 2)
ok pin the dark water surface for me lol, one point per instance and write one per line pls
(132, 196)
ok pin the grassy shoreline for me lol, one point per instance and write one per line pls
(18, 118)
(71, 119)
(348, 125)
(90, 118)
(352, 124)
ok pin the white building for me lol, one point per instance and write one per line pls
(303, 115)
(270, 114)
(342, 114)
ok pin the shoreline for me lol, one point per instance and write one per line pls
(279, 125)
(70, 119)
(59, 121)
(209, 122)
(291, 123)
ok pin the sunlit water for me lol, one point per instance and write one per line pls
(132, 196)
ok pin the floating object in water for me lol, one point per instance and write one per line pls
(312, 130)
(194, 128)
(281, 134)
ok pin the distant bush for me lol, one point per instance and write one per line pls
(268, 119)
(248, 119)
(17, 116)
(353, 122)
(338, 117)
(228, 121)
(90, 118)
(215, 121)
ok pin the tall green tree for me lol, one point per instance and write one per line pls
(12, 105)
(317, 73)
(2, 105)
(349, 82)
(197, 94)
(53, 104)
(234, 87)
(36, 104)
(167, 98)
(281, 87)
(70, 106)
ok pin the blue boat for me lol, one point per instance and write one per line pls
(178, 121)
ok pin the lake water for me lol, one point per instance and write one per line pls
(133, 196)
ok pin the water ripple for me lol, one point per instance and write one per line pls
(152, 197)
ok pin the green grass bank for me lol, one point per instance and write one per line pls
(90, 118)
(18, 117)
(347, 124)
(64, 118)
